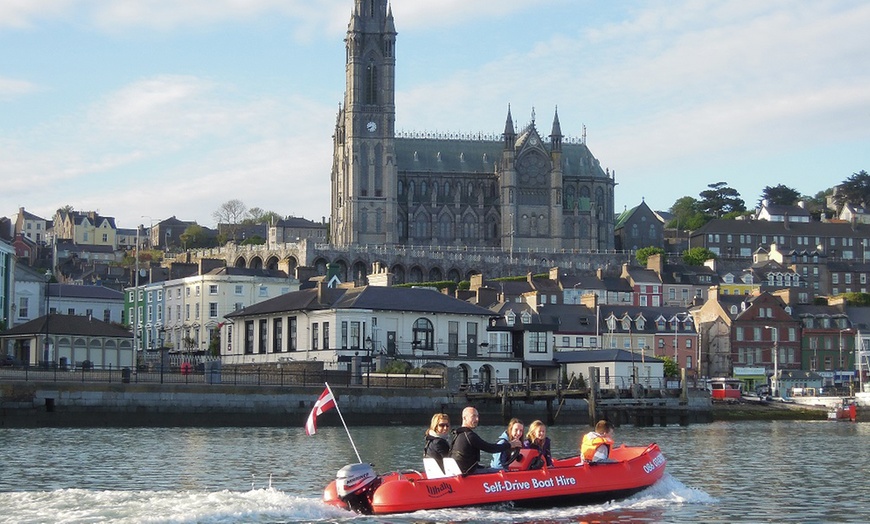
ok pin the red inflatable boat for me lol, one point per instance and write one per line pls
(568, 481)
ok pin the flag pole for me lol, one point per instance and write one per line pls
(342, 421)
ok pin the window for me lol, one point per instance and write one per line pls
(212, 289)
(593, 342)
(212, 310)
(315, 335)
(566, 342)
(264, 334)
(239, 289)
(291, 325)
(23, 307)
(277, 335)
(326, 335)
(424, 335)
(264, 291)
(688, 343)
(537, 342)
(578, 341)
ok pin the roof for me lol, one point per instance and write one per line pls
(764, 227)
(600, 355)
(374, 298)
(247, 272)
(466, 155)
(69, 325)
(75, 291)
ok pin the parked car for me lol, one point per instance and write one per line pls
(7, 360)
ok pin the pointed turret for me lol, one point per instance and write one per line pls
(510, 135)
(556, 133)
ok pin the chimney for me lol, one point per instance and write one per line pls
(656, 263)
(589, 300)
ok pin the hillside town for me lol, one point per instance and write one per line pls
(491, 259)
(78, 290)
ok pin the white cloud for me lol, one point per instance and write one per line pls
(11, 88)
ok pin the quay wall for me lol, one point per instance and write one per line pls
(38, 404)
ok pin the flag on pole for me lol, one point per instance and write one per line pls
(323, 404)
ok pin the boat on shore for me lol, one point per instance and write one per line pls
(569, 481)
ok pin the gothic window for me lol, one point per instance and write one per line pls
(533, 169)
(379, 221)
(411, 196)
(423, 189)
(363, 221)
(422, 222)
(401, 188)
(652, 231)
(634, 231)
(584, 192)
(469, 227)
(371, 87)
(470, 189)
(445, 227)
(599, 200)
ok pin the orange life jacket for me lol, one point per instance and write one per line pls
(591, 442)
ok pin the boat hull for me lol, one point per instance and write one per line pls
(568, 482)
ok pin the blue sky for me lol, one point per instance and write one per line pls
(144, 109)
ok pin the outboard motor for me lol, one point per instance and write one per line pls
(355, 484)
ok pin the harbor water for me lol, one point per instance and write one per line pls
(760, 471)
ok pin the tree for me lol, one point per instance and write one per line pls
(194, 236)
(779, 195)
(670, 366)
(697, 256)
(854, 190)
(231, 212)
(257, 215)
(643, 254)
(720, 200)
(687, 214)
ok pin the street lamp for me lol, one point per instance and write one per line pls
(369, 346)
(774, 332)
(47, 315)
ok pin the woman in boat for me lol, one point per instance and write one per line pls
(537, 439)
(436, 446)
(514, 431)
(595, 446)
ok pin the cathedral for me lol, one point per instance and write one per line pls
(522, 191)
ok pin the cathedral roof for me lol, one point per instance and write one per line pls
(464, 156)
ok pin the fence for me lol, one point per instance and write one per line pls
(211, 373)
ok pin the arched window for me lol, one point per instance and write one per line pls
(371, 93)
(424, 334)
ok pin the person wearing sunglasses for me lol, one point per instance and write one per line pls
(436, 446)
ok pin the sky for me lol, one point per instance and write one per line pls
(146, 109)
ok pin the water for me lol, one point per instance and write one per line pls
(780, 471)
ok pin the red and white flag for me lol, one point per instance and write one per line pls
(323, 404)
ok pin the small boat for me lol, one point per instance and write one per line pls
(569, 481)
(846, 411)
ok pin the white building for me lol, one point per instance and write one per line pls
(195, 306)
(420, 326)
(99, 302)
(617, 368)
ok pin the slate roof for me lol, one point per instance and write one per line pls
(247, 272)
(69, 325)
(374, 298)
(461, 156)
(74, 291)
(764, 227)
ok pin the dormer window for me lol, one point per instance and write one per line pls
(734, 310)
(626, 323)
(510, 318)
(611, 323)
(640, 323)
(527, 317)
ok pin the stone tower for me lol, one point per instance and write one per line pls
(363, 208)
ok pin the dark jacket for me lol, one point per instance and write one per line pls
(466, 448)
(436, 448)
(544, 450)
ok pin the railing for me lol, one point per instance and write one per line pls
(228, 376)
